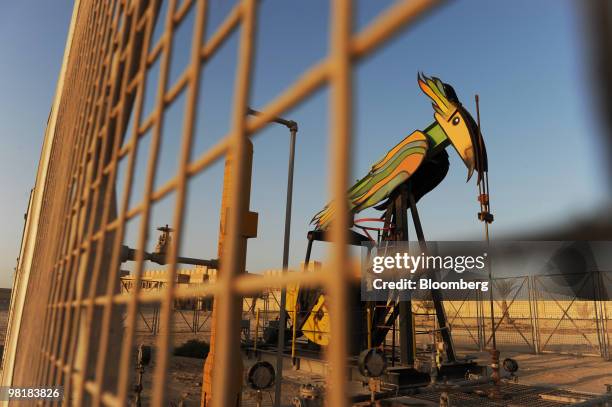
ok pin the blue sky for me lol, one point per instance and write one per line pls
(524, 58)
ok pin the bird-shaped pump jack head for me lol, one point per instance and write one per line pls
(457, 123)
(416, 158)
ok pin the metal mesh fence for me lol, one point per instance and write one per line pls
(75, 323)
(70, 329)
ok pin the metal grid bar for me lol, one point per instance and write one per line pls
(106, 82)
(66, 277)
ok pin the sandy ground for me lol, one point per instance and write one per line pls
(185, 384)
(580, 373)
(587, 374)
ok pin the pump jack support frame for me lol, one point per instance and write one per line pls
(397, 214)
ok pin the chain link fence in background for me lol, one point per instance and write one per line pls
(531, 317)
(528, 316)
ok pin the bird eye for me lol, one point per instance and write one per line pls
(455, 121)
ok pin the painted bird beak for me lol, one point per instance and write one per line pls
(465, 149)
(478, 153)
(469, 161)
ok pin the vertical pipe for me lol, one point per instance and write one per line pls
(256, 331)
(283, 300)
(369, 325)
(536, 313)
(194, 318)
(227, 359)
(413, 332)
(532, 314)
(604, 314)
(293, 337)
(481, 322)
(482, 191)
(156, 319)
(600, 337)
(293, 132)
(393, 340)
(406, 333)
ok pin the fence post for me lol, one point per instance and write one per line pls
(605, 327)
(194, 318)
(480, 321)
(533, 311)
(601, 315)
(604, 304)
(155, 320)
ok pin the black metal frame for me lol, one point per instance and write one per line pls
(395, 229)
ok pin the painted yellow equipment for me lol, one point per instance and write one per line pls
(316, 328)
